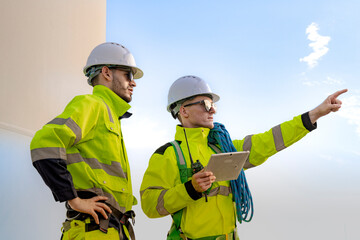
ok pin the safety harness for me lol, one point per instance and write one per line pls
(175, 232)
(121, 220)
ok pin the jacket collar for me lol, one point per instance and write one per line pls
(116, 103)
(198, 135)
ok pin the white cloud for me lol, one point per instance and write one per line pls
(333, 81)
(318, 44)
(328, 81)
(351, 111)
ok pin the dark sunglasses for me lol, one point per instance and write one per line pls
(128, 71)
(207, 104)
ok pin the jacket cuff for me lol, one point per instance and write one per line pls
(307, 123)
(65, 195)
(191, 191)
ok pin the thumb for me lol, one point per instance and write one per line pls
(335, 107)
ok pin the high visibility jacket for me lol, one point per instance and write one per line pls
(162, 192)
(82, 150)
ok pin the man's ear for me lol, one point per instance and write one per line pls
(183, 112)
(107, 74)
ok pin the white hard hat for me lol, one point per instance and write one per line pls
(186, 87)
(112, 54)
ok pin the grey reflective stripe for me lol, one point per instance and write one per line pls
(248, 165)
(247, 143)
(111, 199)
(160, 204)
(153, 187)
(178, 150)
(247, 147)
(278, 138)
(71, 124)
(114, 169)
(214, 147)
(109, 112)
(221, 190)
(46, 153)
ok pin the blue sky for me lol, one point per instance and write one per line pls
(249, 52)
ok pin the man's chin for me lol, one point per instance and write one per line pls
(209, 125)
(126, 98)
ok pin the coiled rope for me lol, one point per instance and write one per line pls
(240, 189)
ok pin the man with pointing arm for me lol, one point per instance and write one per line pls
(201, 207)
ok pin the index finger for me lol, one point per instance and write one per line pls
(207, 173)
(100, 198)
(338, 93)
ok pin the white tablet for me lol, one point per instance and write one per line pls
(227, 166)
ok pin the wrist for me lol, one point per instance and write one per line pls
(314, 116)
(195, 195)
(73, 202)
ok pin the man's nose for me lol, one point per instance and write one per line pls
(133, 83)
(212, 110)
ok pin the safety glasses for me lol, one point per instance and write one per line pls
(128, 71)
(206, 103)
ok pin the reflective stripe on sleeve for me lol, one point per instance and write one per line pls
(278, 138)
(221, 190)
(46, 153)
(247, 147)
(71, 124)
(114, 169)
(247, 143)
(160, 204)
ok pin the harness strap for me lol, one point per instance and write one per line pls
(122, 218)
(214, 148)
(184, 174)
(183, 177)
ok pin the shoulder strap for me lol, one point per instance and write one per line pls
(183, 176)
(214, 148)
(180, 161)
(184, 173)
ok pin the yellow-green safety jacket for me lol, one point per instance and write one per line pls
(82, 150)
(162, 192)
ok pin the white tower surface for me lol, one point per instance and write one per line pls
(44, 45)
